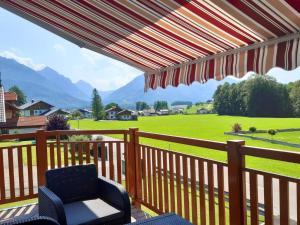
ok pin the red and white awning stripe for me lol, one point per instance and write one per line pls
(177, 41)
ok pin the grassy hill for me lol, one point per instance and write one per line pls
(209, 127)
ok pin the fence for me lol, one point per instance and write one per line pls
(201, 190)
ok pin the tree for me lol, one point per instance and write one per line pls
(97, 106)
(257, 96)
(110, 105)
(139, 106)
(159, 105)
(21, 96)
(266, 97)
(57, 122)
(76, 115)
(294, 94)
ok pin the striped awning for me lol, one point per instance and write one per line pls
(177, 41)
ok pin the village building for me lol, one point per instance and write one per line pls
(111, 114)
(26, 118)
(126, 115)
(85, 113)
(40, 108)
(35, 108)
(163, 112)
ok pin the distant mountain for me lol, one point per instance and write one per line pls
(85, 87)
(64, 83)
(42, 85)
(132, 92)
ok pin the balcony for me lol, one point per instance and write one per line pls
(158, 180)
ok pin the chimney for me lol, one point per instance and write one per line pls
(2, 103)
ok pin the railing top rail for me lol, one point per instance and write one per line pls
(272, 175)
(17, 136)
(186, 141)
(286, 156)
(186, 155)
(84, 132)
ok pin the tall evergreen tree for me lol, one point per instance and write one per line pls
(97, 106)
(21, 96)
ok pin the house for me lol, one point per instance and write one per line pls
(111, 114)
(149, 112)
(85, 113)
(25, 124)
(163, 112)
(40, 108)
(35, 108)
(11, 109)
(178, 109)
(11, 121)
(202, 111)
(126, 115)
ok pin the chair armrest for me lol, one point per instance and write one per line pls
(50, 205)
(116, 195)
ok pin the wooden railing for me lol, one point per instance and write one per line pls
(23, 167)
(203, 191)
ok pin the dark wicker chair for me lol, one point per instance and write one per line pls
(76, 195)
(40, 220)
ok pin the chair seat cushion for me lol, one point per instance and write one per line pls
(91, 212)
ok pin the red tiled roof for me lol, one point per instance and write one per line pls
(30, 121)
(10, 96)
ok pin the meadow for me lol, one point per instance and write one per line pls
(208, 127)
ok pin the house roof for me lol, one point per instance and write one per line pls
(10, 96)
(29, 104)
(29, 121)
(125, 112)
(176, 41)
(117, 109)
(11, 105)
(55, 110)
(85, 110)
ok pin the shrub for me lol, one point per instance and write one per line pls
(252, 129)
(272, 132)
(57, 122)
(236, 128)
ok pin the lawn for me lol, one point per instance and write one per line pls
(292, 137)
(209, 127)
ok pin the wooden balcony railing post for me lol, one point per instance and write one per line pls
(133, 165)
(237, 184)
(41, 152)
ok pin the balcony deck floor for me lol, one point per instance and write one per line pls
(31, 210)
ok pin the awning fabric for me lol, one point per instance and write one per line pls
(177, 41)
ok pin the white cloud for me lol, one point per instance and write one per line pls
(60, 48)
(90, 56)
(23, 60)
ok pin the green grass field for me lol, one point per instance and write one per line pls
(209, 127)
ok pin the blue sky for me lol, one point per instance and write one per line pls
(36, 47)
